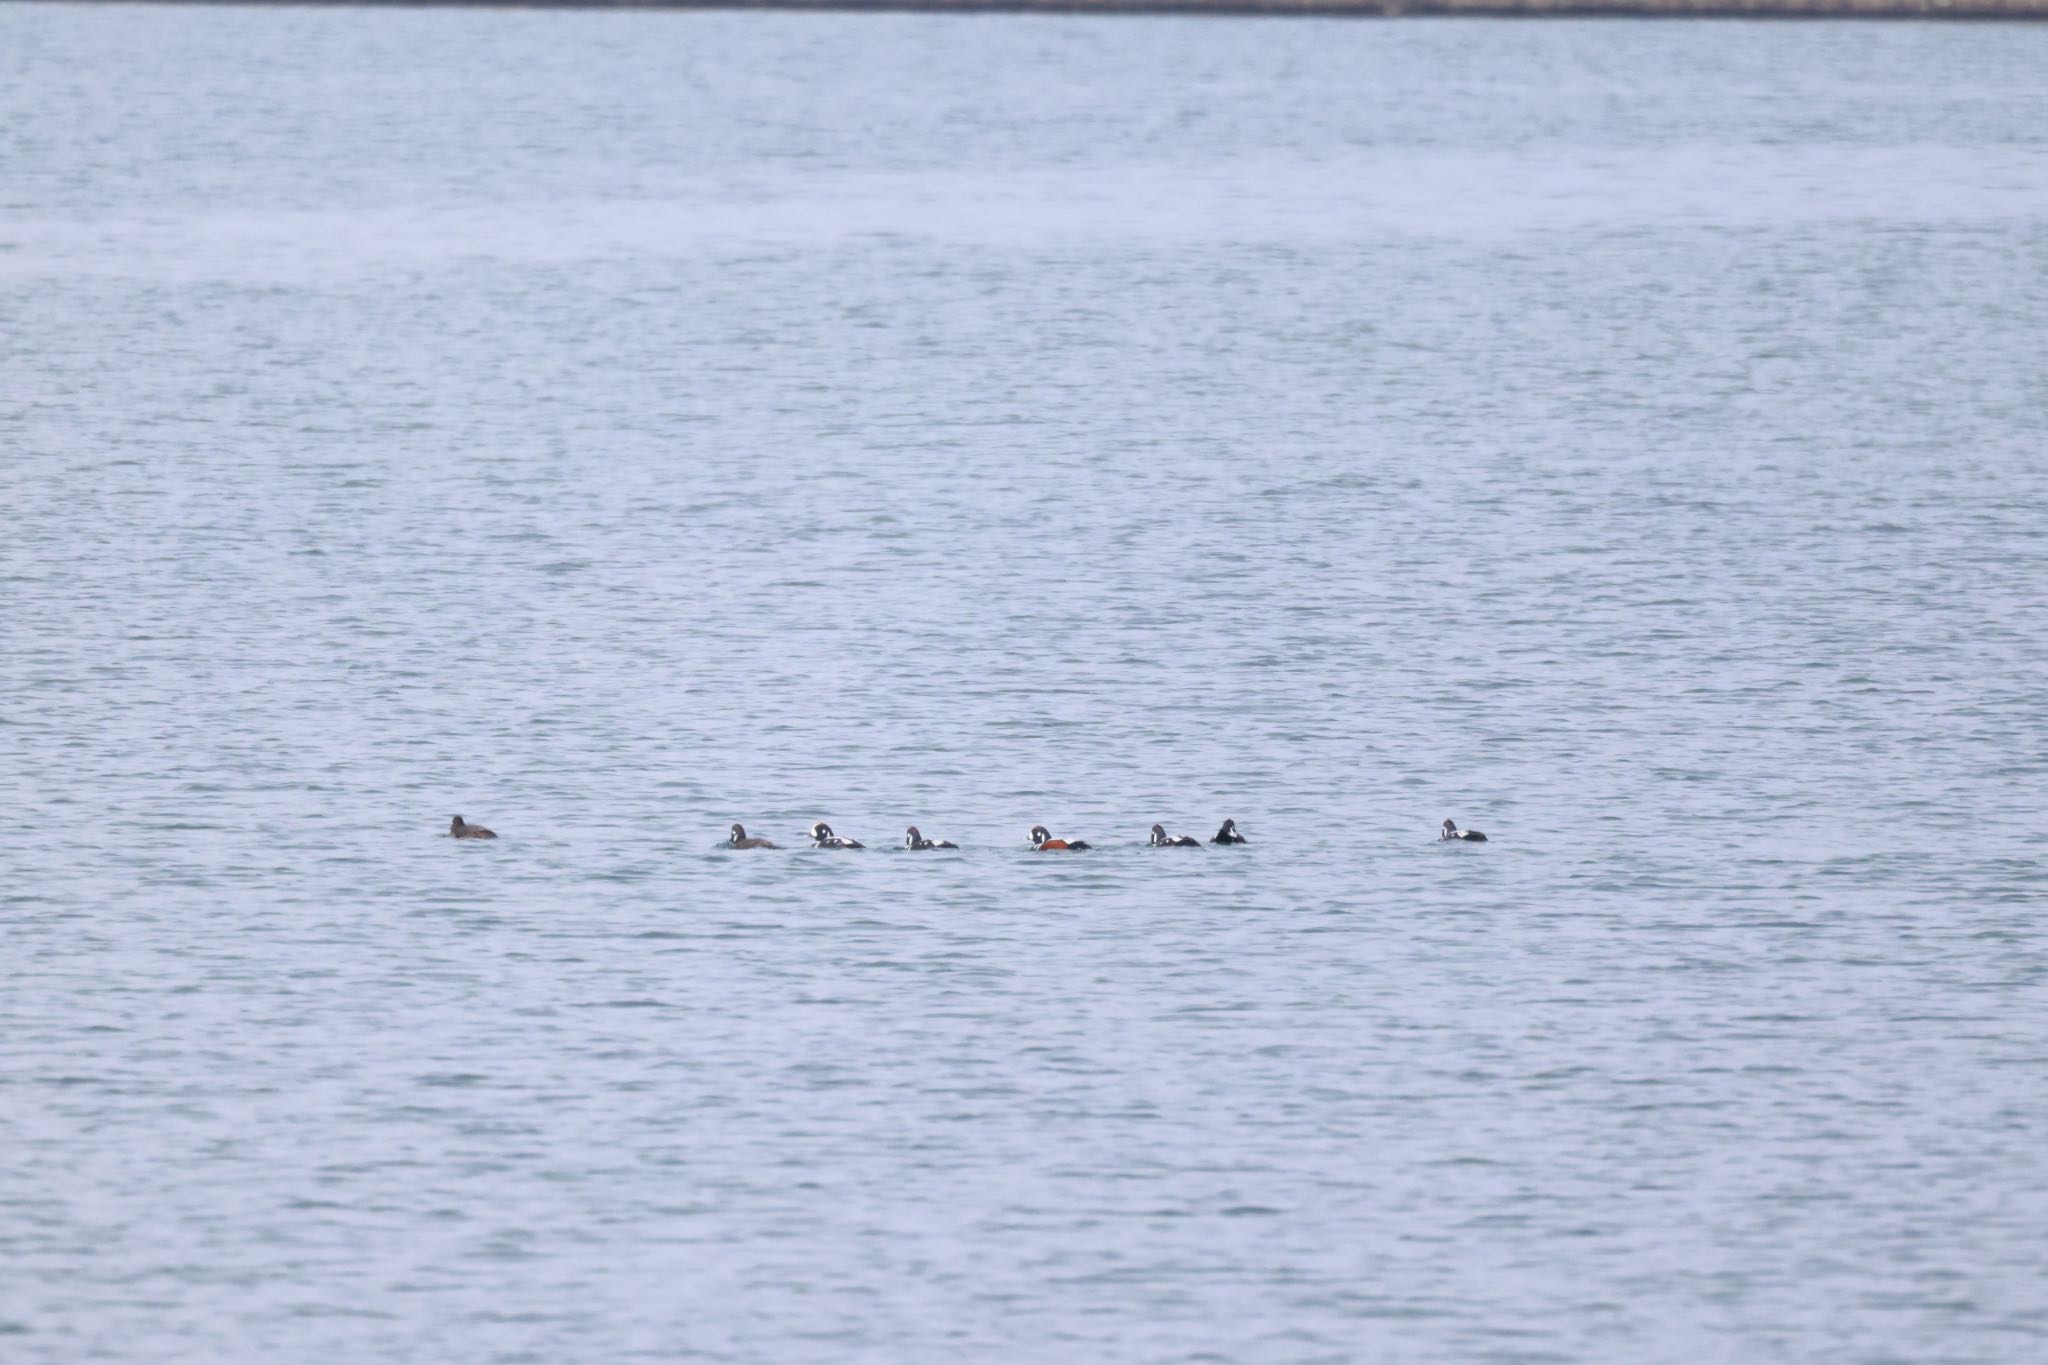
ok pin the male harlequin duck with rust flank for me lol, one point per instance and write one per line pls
(1160, 839)
(1042, 840)
(1229, 835)
(741, 839)
(458, 829)
(912, 839)
(823, 837)
(1451, 831)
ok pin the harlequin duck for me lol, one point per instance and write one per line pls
(1451, 831)
(1160, 839)
(459, 830)
(1042, 840)
(1229, 835)
(823, 837)
(740, 839)
(912, 839)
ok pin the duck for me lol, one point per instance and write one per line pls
(1229, 835)
(823, 837)
(912, 839)
(1451, 831)
(741, 839)
(1042, 840)
(459, 829)
(1160, 839)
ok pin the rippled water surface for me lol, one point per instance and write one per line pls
(1624, 438)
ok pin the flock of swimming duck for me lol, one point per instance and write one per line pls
(1041, 837)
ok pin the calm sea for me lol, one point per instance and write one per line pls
(1625, 438)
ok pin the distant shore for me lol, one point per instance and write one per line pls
(1581, 9)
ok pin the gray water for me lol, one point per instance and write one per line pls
(1625, 438)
